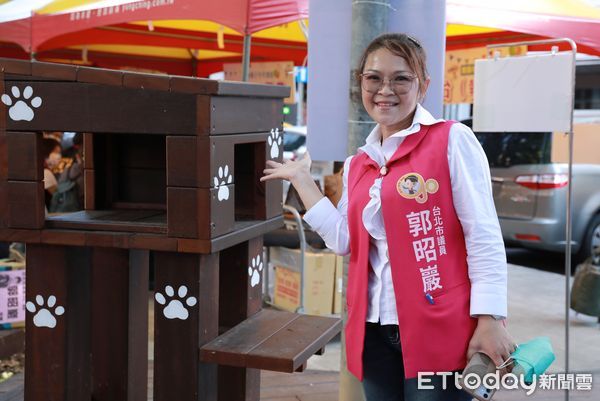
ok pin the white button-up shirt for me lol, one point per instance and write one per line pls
(474, 205)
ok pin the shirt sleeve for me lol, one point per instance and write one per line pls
(474, 205)
(49, 179)
(331, 223)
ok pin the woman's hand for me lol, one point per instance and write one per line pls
(292, 171)
(492, 338)
(298, 173)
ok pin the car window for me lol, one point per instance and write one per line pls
(292, 141)
(505, 149)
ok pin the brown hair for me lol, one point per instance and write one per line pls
(401, 45)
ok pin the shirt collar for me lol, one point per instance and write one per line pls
(421, 117)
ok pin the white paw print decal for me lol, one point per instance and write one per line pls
(175, 308)
(254, 271)
(21, 110)
(274, 141)
(44, 317)
(221, 181)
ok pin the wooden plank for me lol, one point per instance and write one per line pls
(25, 159)
(3, 108)
(99, 76)
(89, 189)
(55, 71)
(146, 81)
(152, 242)
(13, 66)
(252, 115)
(81, 107)
(240, 296)
(3, 156)
(291, 347)
(272, 340)
(233, 88)
(120, 325)
(107, 239)
(17, 235)
(200, 213)
(193, 245)
(185, 317)
(63, 237)
(198, 86)
(243, 231)
(88, 151)
(112, 220)
(25, 204)
(232, 347)
(3, 170)
(58, 329)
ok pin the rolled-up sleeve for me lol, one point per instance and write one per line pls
(474, 205)
(331, 223)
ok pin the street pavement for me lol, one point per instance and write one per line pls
(536, 307)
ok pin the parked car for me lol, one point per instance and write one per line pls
(294, 141)
(530, 191)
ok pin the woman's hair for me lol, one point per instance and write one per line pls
(401, 45)
(48, 146)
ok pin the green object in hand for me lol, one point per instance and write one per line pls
(533, 358)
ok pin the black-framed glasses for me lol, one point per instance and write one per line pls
(399, 83)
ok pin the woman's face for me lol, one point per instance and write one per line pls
(392, 110)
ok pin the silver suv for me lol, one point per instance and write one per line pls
(530, 192)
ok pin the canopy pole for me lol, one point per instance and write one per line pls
(246, 58)
(569, 216)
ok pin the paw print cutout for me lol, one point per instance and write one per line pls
(254, 270)
(44, 317)
(21, 109)
(221, 181)
(175, 308)
(274, 141)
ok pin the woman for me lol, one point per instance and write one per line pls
(427, 276)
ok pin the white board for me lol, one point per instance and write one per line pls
(524, 94)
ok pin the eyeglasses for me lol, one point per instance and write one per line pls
(400, 84)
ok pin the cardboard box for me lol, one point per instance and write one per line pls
(319, 276)
(339, 283)
(12, 294)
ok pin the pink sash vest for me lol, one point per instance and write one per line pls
(426, 250)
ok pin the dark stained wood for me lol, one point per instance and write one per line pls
(252, 115)
(99, 76)
(17, 235)
(146, 81)
(12, 66)
(81, 107)
(63, 237)
(88, 151)
(272, 340)
(152, 242)
(3, 156)
(25, 156)
(240, 297)
(177, 373)
(120, 324)
(195, 161)
(3, 108)
(54, 71)
(89, 189)
(107, 239)
(25, 204)
(3, 172)
(140, 221)
(244, 231)
(193, 245)
(65, 274)
(198, 86)
(198, 212)
(233, 88)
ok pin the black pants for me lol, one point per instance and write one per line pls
(384, 371)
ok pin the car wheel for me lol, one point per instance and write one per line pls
(591, 240)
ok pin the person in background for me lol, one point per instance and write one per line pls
(427, 280)
(51, 153)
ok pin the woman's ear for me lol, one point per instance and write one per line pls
(423, 92)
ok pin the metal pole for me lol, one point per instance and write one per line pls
(369, 20)
(246, 58)
(569, 223)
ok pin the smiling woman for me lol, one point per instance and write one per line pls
(427, 275)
